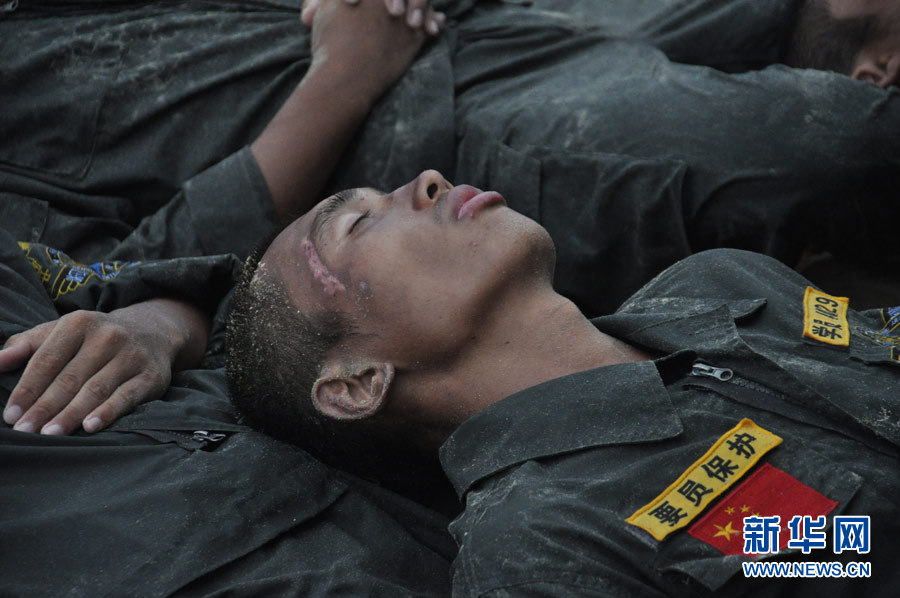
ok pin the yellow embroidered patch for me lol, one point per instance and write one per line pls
(732, 456)
(825, 318)
(61, 274)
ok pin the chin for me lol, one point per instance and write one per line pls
(544, 252)
(538, 253)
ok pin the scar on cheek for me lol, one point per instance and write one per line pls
(320, 271)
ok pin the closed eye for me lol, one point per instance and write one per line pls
(362, 217)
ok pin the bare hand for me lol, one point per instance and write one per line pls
(418, 13)
(90, 368)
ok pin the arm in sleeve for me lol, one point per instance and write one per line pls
(224, 209)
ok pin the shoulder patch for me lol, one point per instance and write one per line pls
(825, 318)
(889, 334)
(728, 460)
(769, 491)
(61, 274)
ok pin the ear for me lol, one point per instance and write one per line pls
(881, 69)
(352, 393)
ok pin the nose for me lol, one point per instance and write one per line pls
(427, 187)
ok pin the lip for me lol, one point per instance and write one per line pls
(466, 201)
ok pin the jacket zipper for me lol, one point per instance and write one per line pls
(762, 397)
(702, 369)
(206, 440)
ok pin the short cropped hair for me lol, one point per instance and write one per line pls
(269, 379)
(821, 41)
(274, 354)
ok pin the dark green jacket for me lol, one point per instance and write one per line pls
(178, 497)
(551, 475)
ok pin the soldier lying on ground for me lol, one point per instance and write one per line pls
(633, 222)
(590, 454)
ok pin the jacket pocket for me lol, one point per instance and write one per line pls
(53, 93)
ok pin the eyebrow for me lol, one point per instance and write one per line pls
(326, 213)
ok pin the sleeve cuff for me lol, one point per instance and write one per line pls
(230, 205)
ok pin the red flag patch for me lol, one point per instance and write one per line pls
(768, 491)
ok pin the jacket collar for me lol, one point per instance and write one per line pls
(582, 410)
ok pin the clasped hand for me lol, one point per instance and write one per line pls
(369, 44)
(418, 13)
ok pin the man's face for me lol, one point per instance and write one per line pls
(418, 271)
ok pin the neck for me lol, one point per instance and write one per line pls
(535, 341)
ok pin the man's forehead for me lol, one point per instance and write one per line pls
(294, 256)
(307, 225)
(281, 259)
(288, 238)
